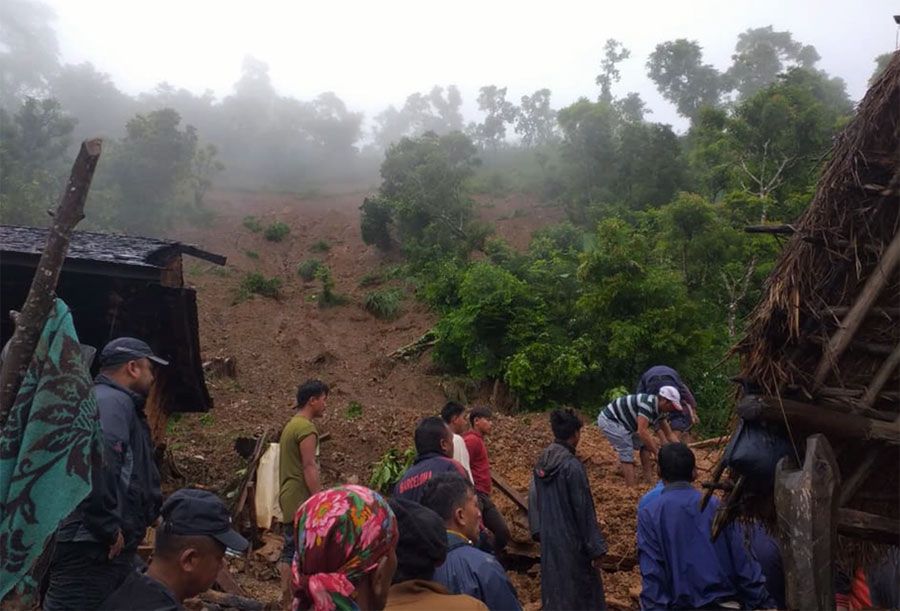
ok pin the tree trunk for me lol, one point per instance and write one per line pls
(30, 322)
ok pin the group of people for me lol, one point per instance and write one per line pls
(436, 543)
(94, 563)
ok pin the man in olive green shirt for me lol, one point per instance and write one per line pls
(298, 469)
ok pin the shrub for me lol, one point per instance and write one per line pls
(354, 410)
(329, 297)
(384, 303)
(371, 279)
(320, 246)
(375, 220)
(277, 231)
(252, 223)
(256, 284)
(308, 269)
(252, 254)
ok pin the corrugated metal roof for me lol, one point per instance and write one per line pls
(117, 249)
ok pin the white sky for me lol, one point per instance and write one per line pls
(374, 53)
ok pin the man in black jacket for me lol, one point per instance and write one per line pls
(96, 544)
(562, 516)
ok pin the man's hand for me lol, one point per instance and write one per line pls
(116, 548)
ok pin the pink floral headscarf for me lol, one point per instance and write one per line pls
(341, 535)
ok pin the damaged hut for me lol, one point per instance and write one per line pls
(119, 285)
(817, 451)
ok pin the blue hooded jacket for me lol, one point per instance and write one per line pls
(468, 570)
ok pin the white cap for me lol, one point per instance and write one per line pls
(671, 393)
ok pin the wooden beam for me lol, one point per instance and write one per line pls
(887, 312)
(851, 484)
(816, 418)
(881, 376)
(514, 495)
(868, 526)
(706, 443)
(30, 322)
(805, 505)
(876, 281)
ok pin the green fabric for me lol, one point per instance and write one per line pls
(293, 491)
(48, 448)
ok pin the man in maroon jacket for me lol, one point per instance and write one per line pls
(481, 420)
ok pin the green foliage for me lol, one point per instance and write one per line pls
(33, 143)
(277, 231)
(252, 223)
(422, 195)
(252, 254)
(328, 297)
(320, 246)
(376, 218)
(207, 419)
(354, 410)
(309, 268)
(387, 471)
(384, 303)
(255, 283)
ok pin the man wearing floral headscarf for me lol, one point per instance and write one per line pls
(346, 550)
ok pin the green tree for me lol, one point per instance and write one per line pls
(33, 143)
(152, 169)
(536, 121)
(29, 51)
(761, 54)
(423, 189)
(881, 63)
(681, 77)
(613, 54)
(499, 112)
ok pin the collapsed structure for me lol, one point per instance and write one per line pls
(119, 285)
(819, 365)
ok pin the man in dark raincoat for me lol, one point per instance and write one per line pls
(562, 517)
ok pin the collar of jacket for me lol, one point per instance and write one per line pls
(428, 455)
(136, 398)
(678, 486)
(565, 444)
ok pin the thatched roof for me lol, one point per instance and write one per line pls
(822, 349)
(837, 244)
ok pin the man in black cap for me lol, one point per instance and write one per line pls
(97, 542)
(189, 551)
(421, 548)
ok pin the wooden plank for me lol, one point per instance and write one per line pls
(859, 475)
(249, 476)
(805, 505)
(876, 281)
(30, 322)
(881, 376)
(706, 443)
(868, 526)
(817, 418)
(232, 601)
(511, 492)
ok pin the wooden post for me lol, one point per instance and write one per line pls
(806, 506)
(30, 322)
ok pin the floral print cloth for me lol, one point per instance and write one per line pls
(341, 534)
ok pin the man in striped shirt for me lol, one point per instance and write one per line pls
(627, 422)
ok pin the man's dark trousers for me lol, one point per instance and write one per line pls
(82, 575)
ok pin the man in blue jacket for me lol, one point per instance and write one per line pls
(96, 544)
(434, 448)
(681, 568)
(467, 570)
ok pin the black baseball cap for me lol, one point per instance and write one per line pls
(192, 512)
(124, 349)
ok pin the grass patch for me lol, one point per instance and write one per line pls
(328, 297)
(256, 284)
(207, 419)
(354, 410)
(251, 254)
(277, 232)
(320, 246)
(308, 268)
(252, 223)
(384, 303)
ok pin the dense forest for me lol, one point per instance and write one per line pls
(653, 264)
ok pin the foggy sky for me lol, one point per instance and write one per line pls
(376, 53)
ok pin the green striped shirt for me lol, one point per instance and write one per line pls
(625, 410)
